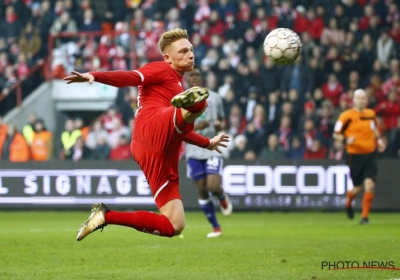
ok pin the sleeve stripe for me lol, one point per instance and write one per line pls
(140, 74)
(338, 126)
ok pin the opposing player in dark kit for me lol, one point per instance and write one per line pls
(205, 167)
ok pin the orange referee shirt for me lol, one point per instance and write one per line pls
(361, 126)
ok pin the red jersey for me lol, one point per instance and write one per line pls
(158, 83)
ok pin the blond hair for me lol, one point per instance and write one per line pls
(168, 37)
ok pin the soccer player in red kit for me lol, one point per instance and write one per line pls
(157, 135)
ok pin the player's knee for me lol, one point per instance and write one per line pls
(215, 189)
(369, 185)
(178, 227)
(203, 193)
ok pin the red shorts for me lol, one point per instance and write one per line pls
(155, 146)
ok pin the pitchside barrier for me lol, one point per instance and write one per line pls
(277, 185)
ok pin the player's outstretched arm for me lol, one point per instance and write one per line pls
(117, 78)
(215, 143)
(77, 77)
(218, 141)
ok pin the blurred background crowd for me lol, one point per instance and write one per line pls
(271, 112)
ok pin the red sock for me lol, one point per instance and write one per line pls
(366, 204)
(197, 107)
(144, 221)
(350, 197)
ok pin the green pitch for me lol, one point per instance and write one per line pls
(264, 245)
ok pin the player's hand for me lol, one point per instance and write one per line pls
(350, 140)
(338, 137)
(218, 141)
(77, 77)
(381, 145)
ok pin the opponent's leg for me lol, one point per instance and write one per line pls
(208, 208)
(214, 185)
(351, 194)
(369, 186)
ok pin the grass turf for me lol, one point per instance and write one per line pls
(262, 245)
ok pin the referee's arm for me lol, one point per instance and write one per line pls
(381, 143)
(337, 132)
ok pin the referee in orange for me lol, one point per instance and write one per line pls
(357, 127)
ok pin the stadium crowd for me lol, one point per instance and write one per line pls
(272, 112)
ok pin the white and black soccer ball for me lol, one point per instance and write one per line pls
(282, 46)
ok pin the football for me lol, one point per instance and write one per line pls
(282, 46)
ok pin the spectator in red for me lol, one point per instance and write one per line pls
(122, 151)
(317, 151)
(204, 31)
(346, 100)
(389, 110)
(394, 32)
(259, 18)
(315, 24)
(217, 26)
(309, 134)
(22, 67)
(285, 133)
(300, 20)
(363, 23)
(393, 82)
(108, 120)
(332, 35)
(332, 89)
(236, 122)
(375, 85)
(203, 11)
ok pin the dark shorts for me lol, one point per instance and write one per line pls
(362, 166)
(199, 168)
